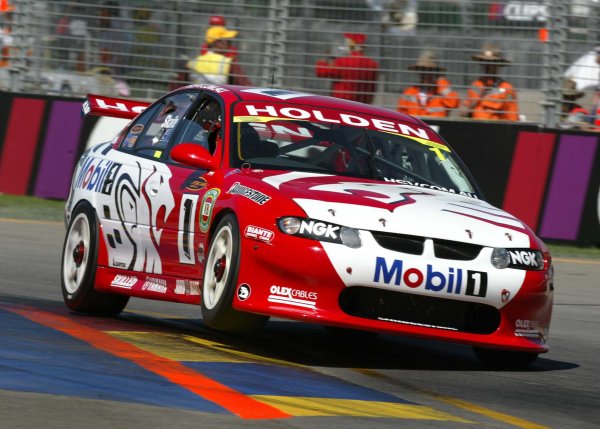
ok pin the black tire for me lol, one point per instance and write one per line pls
(220, 279)
(78, 267)
(504, 359)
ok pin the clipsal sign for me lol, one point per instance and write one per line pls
(334, 117)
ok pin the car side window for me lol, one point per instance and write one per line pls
(202, 125)
(150, 136)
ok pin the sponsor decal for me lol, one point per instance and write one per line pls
(430, 186)
(527, 328)
(252, 194)
(451, 281)
(258, 233)
(154, 284)
(187, 287)
(118, 264)
(525, 259)
(214, 88)
(97, 175)
(86, 108)
(138, 128)
(321, 230)
(243, 292)
(124, 282)
(293, 297)
(194, 182)
(206, 209)
(336, 117)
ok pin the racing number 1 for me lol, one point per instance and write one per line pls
(185, 235)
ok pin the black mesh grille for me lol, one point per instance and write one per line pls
(399, 307)
(414, 245)
(411, 244)
(455, 250)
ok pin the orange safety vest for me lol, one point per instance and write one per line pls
(492, 102)
(437, 102)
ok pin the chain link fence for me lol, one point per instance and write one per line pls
(140, 48)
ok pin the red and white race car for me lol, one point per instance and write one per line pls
(257, 202)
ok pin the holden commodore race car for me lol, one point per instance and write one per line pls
(255, 202)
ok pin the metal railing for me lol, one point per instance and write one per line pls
(140, 48)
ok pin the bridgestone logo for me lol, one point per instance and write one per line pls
(252, 194)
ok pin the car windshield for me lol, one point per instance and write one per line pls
(291, 144)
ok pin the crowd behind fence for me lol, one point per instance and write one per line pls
(141, 48)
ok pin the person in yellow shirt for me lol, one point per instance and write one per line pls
(216, 65)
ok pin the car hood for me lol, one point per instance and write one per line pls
(402, 209)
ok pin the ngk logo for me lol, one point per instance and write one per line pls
(523, 257)
(319, 229)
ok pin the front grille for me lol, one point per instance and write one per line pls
(411, 309)
(410, 244)
(414, 245)
(456, 250)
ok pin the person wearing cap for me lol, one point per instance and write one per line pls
(215, 66)
(218, 21)
(354, 75)
(433, 96)
(572, 115)
(490, 97)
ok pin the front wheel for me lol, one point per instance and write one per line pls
(79, 262)
(504, 359)
(220, 279)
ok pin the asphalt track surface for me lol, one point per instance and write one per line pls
(158, 366)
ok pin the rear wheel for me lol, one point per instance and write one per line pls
(504, 359)
(220, 279)
(79, 262)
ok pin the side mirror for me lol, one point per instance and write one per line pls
(193, 155)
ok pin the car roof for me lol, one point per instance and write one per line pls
(245, 93)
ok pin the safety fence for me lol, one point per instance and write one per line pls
(549, 178)
(141, 48)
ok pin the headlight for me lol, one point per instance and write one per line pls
(289, 225)
(520, 259)
(320, 230)
(500, 258)
(350, 237)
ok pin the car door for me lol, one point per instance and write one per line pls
(141, 219)
(195, 190)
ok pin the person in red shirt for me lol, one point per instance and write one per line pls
(433, 96)
(490, 97)
(354, 75)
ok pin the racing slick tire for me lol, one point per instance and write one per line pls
(78, 267)
(220, 279)
(504, 359)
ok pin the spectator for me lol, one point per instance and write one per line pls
(216, 66)
(354, 75)
(218, 20)
(6, 38)
(490, 97)
(595, 118)
(433, 96)
(147, 38)
(572, 115)
(113, 37)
